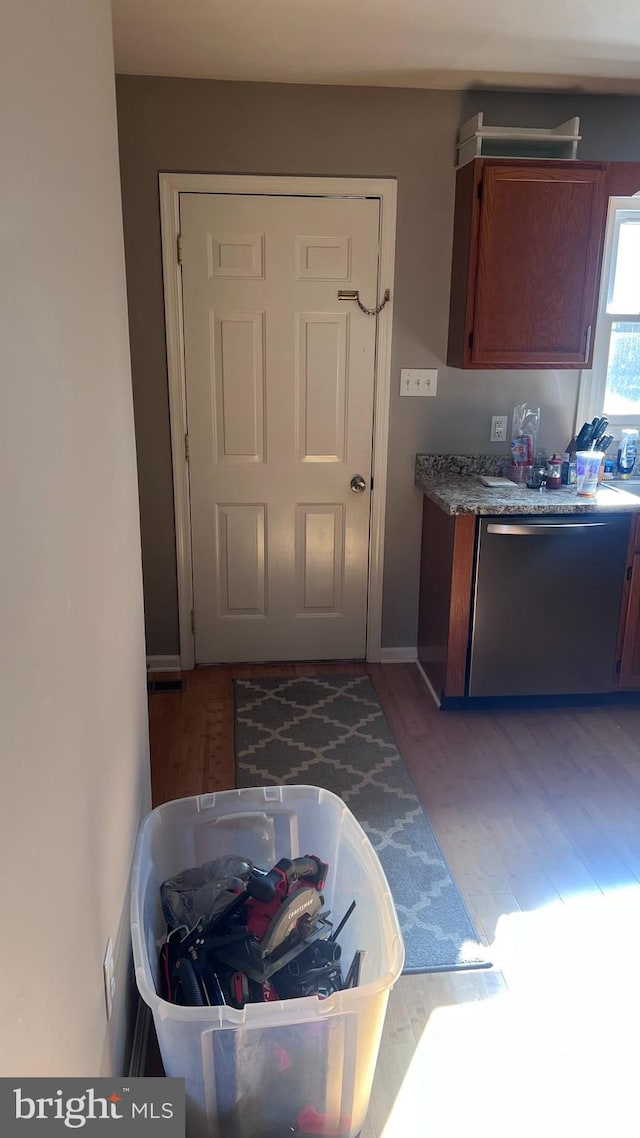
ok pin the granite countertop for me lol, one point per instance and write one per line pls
(450, 482)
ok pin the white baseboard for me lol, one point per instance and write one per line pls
(432, 691)
(163, 663)
(398, 655)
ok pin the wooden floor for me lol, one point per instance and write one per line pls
(532, 809)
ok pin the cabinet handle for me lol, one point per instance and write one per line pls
(587, 344)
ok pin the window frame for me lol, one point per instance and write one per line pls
(593, 383)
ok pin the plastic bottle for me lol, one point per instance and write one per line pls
(627, 452)
(538, 474)
(554, 476)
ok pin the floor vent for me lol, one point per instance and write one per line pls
(154, 687)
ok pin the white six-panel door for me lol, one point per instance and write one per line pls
(279, 392)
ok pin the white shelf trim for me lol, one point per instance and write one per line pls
(474, 132)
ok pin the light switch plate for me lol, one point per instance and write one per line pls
(418, 381)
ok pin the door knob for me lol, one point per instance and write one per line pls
(358, 484)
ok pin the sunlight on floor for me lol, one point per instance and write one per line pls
(555, 1056)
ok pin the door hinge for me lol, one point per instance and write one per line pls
(479, 191)
(186, 448)
(629, 572)
(193, 620)
(179, 250)
(618, 667)
(470, 339)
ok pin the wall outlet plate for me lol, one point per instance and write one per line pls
(418, 381)
(498, 429)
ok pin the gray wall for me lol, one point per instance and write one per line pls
(73, 699)
(219, 127)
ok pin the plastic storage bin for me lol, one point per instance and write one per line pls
(295, 1066)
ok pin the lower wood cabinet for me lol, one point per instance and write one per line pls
(446, 577)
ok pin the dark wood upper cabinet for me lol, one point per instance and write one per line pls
(528, 240)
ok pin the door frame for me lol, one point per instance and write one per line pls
(171, 186)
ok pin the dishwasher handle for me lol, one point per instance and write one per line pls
(544, 528)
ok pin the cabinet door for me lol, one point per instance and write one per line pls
(630, 664)
(540, 238)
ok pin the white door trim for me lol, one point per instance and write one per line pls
(171, 186)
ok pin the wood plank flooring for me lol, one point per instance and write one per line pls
(532, 808)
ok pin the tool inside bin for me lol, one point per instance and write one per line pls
(253, 935)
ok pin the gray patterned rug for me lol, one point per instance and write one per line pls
(330, 731)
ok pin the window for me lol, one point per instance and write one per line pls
(613, 387)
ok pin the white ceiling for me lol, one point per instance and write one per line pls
(591, 45)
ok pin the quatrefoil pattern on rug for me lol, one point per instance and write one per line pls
(330, 731)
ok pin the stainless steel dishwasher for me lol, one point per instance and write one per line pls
(546, 604)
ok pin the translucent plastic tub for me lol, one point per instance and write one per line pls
(296, 1066)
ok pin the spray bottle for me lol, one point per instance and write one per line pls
(627, 452)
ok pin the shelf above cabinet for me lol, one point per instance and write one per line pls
(476, 139)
